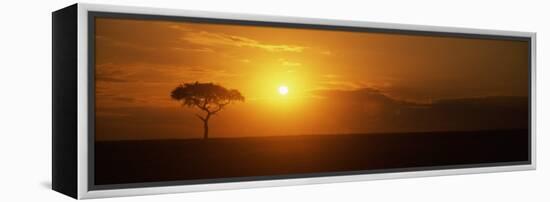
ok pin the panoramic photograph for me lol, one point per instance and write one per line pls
(203, 101)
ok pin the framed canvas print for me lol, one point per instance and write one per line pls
(149, 101)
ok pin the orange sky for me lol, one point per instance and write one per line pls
(138, 63)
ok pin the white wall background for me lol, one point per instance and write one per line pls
(25, 99)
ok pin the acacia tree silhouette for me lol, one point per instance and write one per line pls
(208, 97)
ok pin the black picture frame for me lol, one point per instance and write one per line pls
(65, 59)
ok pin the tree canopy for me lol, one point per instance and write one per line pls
(208, 97)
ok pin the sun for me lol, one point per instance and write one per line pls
(283, 90)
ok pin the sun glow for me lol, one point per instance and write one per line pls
(283, 90)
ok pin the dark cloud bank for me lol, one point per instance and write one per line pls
(370, 110)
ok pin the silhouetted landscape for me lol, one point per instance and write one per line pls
(166, 160)
(196, 102)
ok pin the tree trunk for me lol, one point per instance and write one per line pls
(205, 129)
(205, 121)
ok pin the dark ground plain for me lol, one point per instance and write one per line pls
(118, 162)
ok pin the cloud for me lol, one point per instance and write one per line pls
(369, 109)
(148, 84)
(336, 84)
(203, 50)
(124, 99)
(180, 27)
(155, 73)
(332, 76)
(327, 52)
(109, 79)
(358, 95)
(216, 39)
(122, 44)
(109, 72)
(287, 63)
